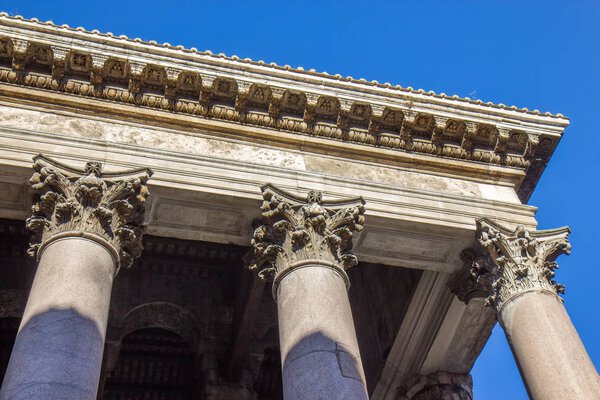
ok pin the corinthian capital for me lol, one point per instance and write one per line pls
(522, 260)
(70, 202)
(299, 231)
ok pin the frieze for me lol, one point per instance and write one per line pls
(184, 90)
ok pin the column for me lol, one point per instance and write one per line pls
(85, 226)
(304, 247)
(441, 386)
(551, 357)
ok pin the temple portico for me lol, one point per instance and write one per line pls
(258, 232)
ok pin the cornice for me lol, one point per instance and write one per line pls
(168, 49)
(176, 80)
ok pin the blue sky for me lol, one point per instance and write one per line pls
(540, 55)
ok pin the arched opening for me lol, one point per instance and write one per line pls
(269, 384)
(153, 364)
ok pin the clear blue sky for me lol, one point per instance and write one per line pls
(542, 55)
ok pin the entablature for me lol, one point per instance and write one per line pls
(424, 128)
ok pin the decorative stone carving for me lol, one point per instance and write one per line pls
(297, 232)
(324, 115)
(59, 62)
(522, 260)
(70, 202)
(21, 53)
(442, 386)
(469, 283)
(97, 72)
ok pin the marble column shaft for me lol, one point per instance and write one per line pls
(58, 350)
(319, 351)
(551, 357)
(304, 248)
(85, 226)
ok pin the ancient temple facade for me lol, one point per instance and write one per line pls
(177, 224)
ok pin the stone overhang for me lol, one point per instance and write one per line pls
(173, 85)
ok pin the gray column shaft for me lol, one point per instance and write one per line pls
(58, 350)
(319, 351)
(551, 357)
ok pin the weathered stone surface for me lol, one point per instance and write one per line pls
(304, 232)
(215, 127)
(67, 203)
(319, 351)
(470, 283)
(193, 86)
(551, 357)
(58, 350)
(521, 260)
(304, 247)
(84, 227)
(525, 297)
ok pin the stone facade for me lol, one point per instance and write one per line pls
(389, 215)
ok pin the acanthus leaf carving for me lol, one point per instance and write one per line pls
(21, 53)
(473, 282)
(97, 73)
(109, 206)
(59, 62)
(318, 114)
(522, 260)
(297, 231)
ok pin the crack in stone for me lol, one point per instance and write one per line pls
(337, 352)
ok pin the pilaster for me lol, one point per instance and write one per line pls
(470, 283)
